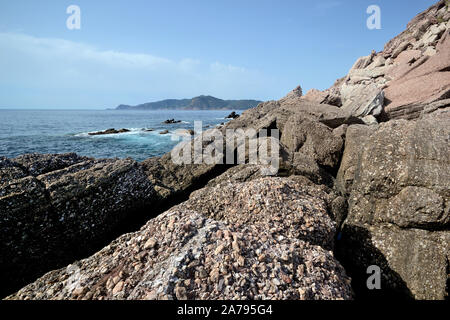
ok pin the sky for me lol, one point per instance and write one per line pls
(136, 51)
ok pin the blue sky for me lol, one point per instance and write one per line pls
(137, 51)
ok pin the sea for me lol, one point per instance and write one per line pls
(61, 131)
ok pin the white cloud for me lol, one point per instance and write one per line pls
(219, 67)
(79, 74)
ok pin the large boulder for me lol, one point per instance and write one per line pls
(55, 208)
(91, 198)
(313, 139)
(398, 180)
(229, 245)
(257, 203)
(335, 202)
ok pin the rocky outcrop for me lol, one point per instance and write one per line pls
(397, 178)
(293, 95)
(366, 159)
(410, 73)
(55, 208)
(58, 208)
(426, 80)
(218, 247)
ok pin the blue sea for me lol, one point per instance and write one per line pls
(60, 131)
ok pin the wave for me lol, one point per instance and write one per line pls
(131, 131)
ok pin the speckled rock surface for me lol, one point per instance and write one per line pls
(56, 207)
(220, 247)
(397, 177)
(37, 164)
(336, 204)
(239, 173)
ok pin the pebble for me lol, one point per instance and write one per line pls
(118, 287)
(219, 249)
(151, 243)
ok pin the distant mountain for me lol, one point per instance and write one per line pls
(197, 103)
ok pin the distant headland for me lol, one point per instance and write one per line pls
(197, 103)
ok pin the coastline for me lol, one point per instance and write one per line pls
(363, 182)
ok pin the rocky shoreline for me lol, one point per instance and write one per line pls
(364, 180)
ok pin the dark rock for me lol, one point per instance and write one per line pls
(171, 121)
(304, 165)
(10, 170)
(164, 132)
(36, 164)
(232, 115)
(55, 208)
(108, 131)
